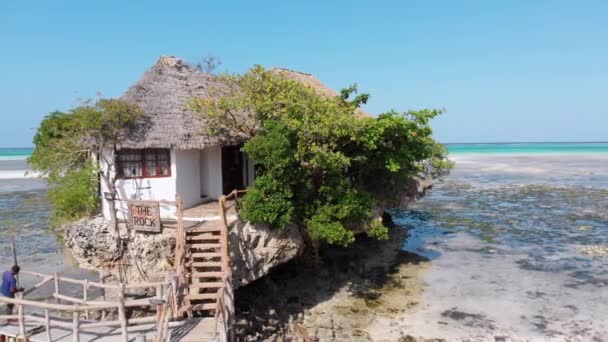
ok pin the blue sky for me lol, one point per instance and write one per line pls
(503, 70)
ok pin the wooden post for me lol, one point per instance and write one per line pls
(224, 235)
(159, 295)
(85, 288)
(180, 241)
(103, 294)
(159, 323)
(21, 321)
(56, 277)
(122, 315)
(76, 325)
(47, 319)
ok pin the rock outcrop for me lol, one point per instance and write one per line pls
(256, 248)
(140, 256)
(133, 257)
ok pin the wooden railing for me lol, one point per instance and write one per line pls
(225, 303)
(180, 254)
(163, 299)
(225, 310)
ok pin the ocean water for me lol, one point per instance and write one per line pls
(24, 216)
(528, 148)
(517, 239)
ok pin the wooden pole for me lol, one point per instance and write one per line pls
(15, 258)
(14, 251)
(224, 235)
(159, 295)
(180, 249)
(76, 325)
(103, 294)
(122, 315)
(56, 276)
(85, 288)
(47, 319)
(21, 321)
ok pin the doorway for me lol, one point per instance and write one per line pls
(232, 168)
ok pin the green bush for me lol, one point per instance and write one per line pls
(74, 194)
(65, 144)
(323, 165)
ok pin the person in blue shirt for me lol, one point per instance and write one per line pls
(9, 286)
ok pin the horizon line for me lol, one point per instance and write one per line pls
(450, 143)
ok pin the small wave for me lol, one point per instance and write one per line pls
(18, 157)
(17, 174)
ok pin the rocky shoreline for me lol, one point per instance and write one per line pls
(348, 294)
(128, 256)
(344, 294)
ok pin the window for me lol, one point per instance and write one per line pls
(143, 163)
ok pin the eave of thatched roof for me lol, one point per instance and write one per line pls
(163, 93)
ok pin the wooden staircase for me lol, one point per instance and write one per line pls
(205, 267)
(202, 262)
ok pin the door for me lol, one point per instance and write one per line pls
(232, 169)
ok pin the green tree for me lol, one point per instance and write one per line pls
(324, 164)
(67, 148)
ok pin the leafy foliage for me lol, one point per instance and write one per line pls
(323, 164)
(65, 144)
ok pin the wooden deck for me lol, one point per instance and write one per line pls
(108, 334)
(190, 330)
(209, 211)
(195, 330)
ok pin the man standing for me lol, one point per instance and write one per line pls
(9, 286)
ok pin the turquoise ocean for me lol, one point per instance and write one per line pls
(491, 148)
(529, 148)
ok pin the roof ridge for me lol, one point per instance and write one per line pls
(291, 70)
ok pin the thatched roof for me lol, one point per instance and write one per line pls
(313, 82)
(163, 94)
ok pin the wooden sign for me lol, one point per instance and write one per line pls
(144, 216)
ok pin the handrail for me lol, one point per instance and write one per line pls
(49, 277)
(80, 306)
(225, 298)
(225, 309)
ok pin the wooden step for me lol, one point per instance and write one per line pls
(207, 255)
(204, 264)
(207, 285)
(204, 245)
(207, 274)
(202, 307)
(202, 237)
(202, 296)
(204, 229)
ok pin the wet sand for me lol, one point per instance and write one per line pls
(509, 248)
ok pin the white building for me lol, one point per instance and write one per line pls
(170, 151)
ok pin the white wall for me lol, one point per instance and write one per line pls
(147, 189)
(188, 167)
(193, 173)
(211, 172)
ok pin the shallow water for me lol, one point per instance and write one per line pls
(24, 215)
(506, 236)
